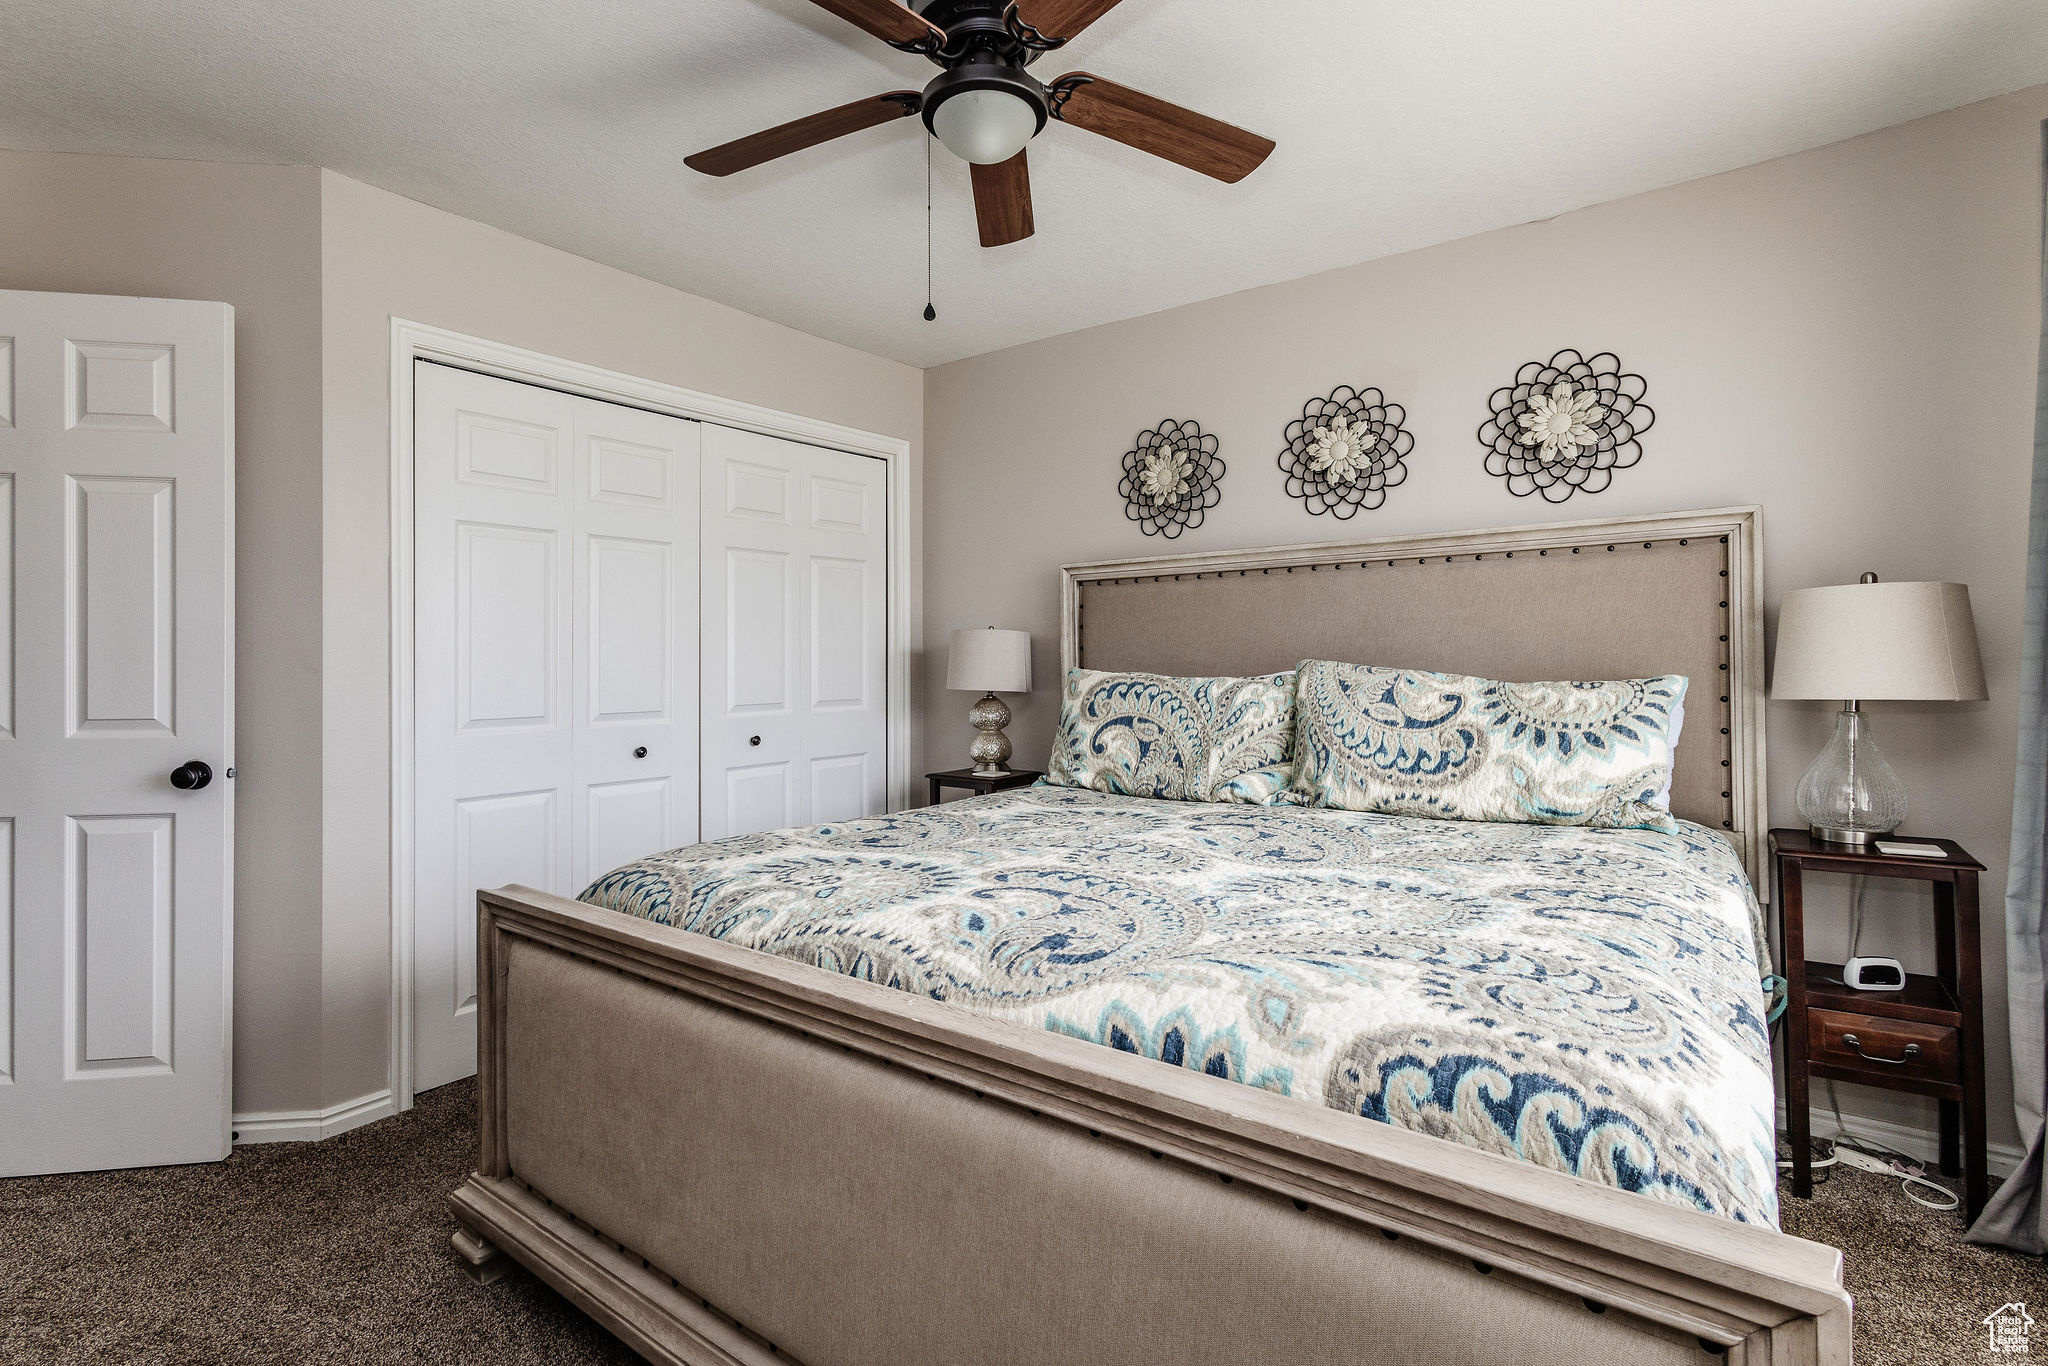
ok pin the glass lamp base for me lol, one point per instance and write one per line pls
(1850, 795)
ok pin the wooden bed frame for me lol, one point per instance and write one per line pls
(725, 1157)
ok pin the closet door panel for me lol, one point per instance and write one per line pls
(636, 639)
(630, 630)
(759, 797)
(752, 632)
(629, 820)
(760, 631)
(847, 632)
(555, 638)
(795, 590)
(493, 532)
(842, 787)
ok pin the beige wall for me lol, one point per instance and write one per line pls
(248, 236)
(316, 266)
(1846, 337)
(385, 256)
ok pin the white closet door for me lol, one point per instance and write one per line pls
(795, 591)
(116, 670)
(555, 610)
(636, 638)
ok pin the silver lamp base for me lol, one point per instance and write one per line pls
(991, 748)
(1860, 838)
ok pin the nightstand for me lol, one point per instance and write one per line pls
(980, 783)
(1926, 1038)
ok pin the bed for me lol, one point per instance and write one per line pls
(875, 1092)
(1583, 999)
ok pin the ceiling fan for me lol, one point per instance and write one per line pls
(984, 106)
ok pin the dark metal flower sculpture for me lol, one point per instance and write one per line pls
(1564, 426)
(1346, 451)
(1172, 477)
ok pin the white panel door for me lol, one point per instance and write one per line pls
(795, 590)
(555, 688)
(116, 669)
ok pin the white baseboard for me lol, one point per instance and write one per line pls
(2001, 1159)
(302, 1126)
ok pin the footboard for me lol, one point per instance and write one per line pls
(726, 1157)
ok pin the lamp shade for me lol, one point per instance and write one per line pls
(1878, 642)
(990, 661)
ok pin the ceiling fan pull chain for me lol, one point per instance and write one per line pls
(930, 314)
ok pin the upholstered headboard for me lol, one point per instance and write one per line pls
(1631, 598)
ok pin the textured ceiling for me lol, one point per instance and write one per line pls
(1401, 123)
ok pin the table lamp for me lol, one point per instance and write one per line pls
(989, 661)
(1865, 642)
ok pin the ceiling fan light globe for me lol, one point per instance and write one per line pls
(985, 127)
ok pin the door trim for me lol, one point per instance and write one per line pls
(412, 341)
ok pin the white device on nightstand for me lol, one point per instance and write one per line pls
(1873, 974)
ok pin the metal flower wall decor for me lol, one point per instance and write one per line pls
(1564, 426)
(1345, 451)
(1172, 477)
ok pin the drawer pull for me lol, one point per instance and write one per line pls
(1912, 1052)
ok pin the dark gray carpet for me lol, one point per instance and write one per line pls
(286, 1252)
(338, 1252)
(1920, 1289)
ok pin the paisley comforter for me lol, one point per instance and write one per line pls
(1586, 1000)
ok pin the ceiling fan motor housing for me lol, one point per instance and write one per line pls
(977, 22)
(985, 53)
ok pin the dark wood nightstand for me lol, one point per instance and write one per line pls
(980, 783)
(1926, 1038)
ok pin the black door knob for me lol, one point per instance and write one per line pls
(190, 775)
(640, 752)
(753, 739)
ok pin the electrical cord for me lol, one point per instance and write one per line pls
(1824, 1156)
(1855, 913)
(1910, 1172)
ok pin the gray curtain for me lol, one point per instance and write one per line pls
(2015, 1217)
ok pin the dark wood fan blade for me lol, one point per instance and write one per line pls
(1002, 201)
(887, 20)
(1153, 125)
(806, 132)
(1063, 18)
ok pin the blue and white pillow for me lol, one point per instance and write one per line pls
(1180, 739)
(1408, 743)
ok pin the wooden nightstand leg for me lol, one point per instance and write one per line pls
(1970, 996)
(1798, 1117)
(1951, 1138)
(1799, 1123)
(1945, 968)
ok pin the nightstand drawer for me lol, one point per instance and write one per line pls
(1904, 1048)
